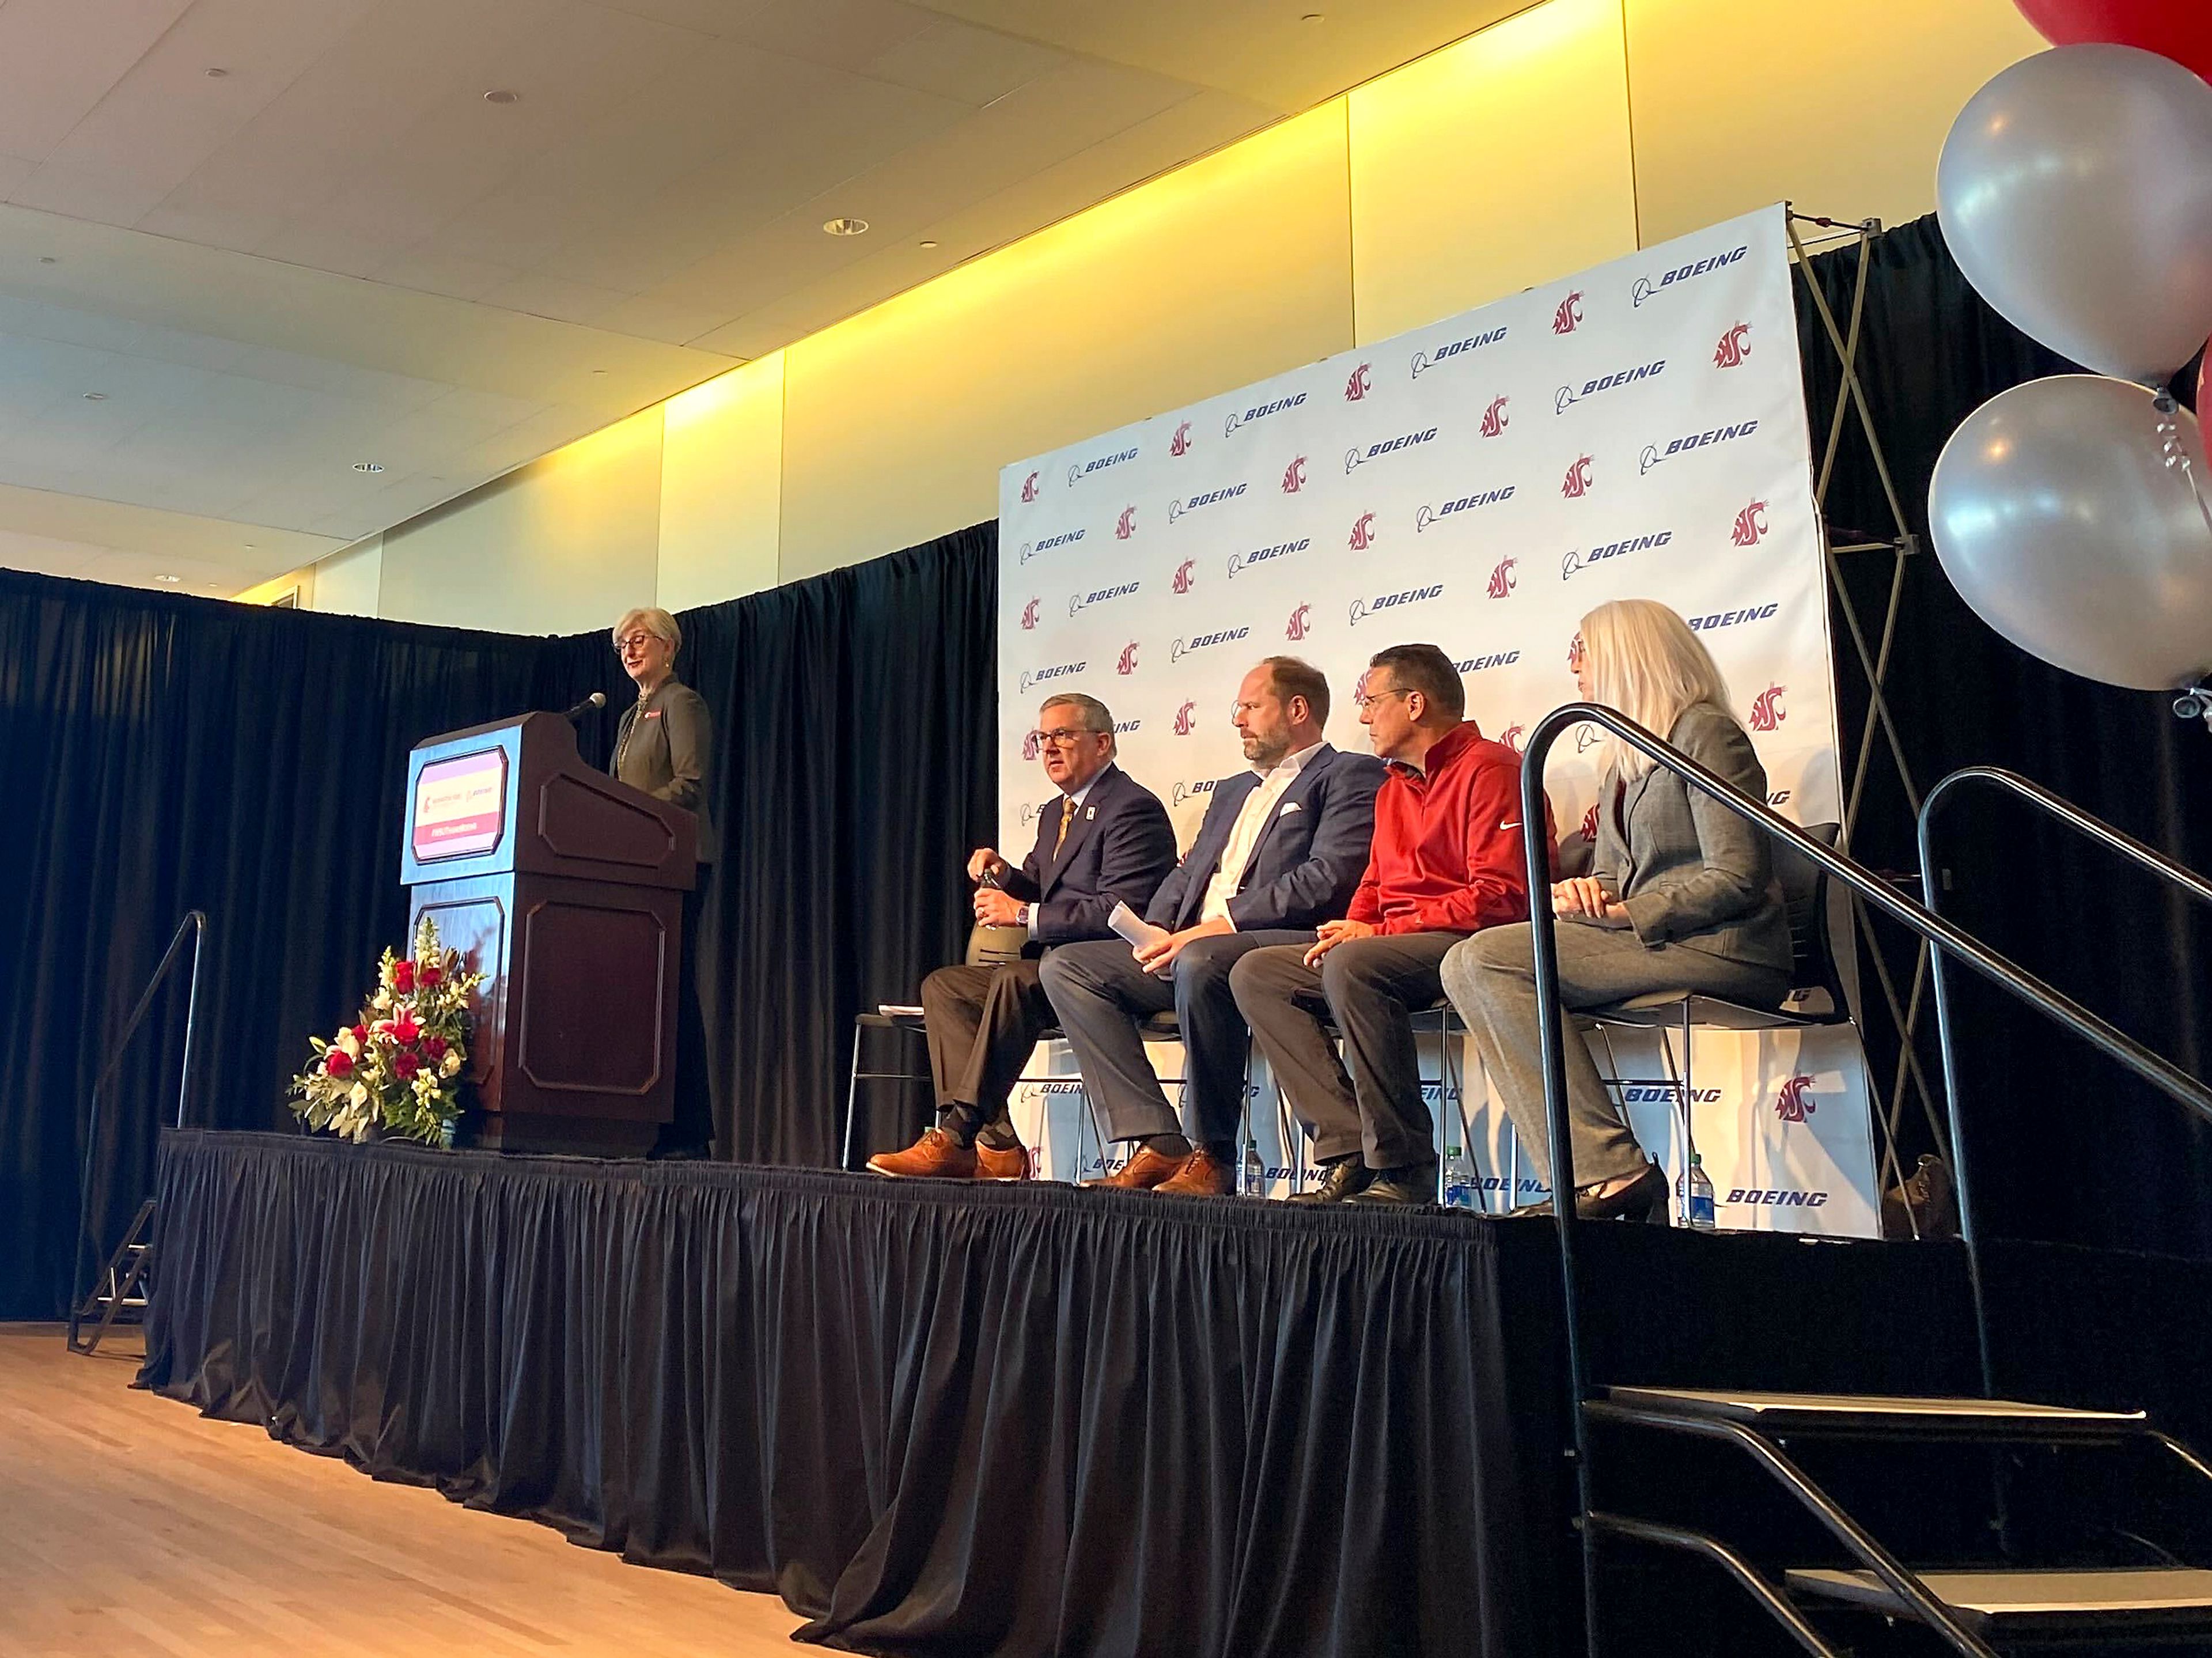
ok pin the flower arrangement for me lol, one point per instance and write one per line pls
(399, 1067)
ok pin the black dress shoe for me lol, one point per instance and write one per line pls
(1643, 1199)
(1341, 1178)
(1412, 1182)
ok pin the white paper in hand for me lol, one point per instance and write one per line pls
(1140, 933)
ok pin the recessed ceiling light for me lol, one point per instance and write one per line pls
(249, 546)
(368, 466)
(168, 580)
(502, 95)
(95, 396)
(217, 74)
(598, 371)
(846, 227)
(1310, 17)
(929, 244)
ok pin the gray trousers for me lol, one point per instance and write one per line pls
(981, 1021)
(1492, 979)
(1368, 1101)
(1099, 993)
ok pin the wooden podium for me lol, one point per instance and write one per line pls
(565, 890)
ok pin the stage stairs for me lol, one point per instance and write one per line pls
(2022, 1601)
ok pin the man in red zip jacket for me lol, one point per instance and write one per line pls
(1447, 860)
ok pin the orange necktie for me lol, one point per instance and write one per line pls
(1067, 817)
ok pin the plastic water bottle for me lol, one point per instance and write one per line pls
(1252, 1174)
(1693, 1196)
(1463, 1185)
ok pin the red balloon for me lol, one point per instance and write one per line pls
(2180, 29)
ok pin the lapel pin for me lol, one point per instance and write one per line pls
(1089, 812)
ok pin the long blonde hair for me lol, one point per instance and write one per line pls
(1644, 661)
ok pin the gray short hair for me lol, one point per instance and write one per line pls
(1096, 715)
(655, 621)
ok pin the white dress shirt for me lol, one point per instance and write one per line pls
(1252, 818)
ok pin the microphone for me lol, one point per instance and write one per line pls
(596, 700)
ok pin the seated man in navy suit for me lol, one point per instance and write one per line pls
(1281, 851)
(1105, 841)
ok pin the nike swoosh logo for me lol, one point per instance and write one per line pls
(1510, 823)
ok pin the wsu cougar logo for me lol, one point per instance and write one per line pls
(1576, 483)
(1297, 627)
(1183, 721)
(1355, 388)
(1294, 476)
(1029, 486)
(1568, 316)
(1180, 444)
(1362, 533)
(1766, 709)
(1512, 737)
(1182, 576)
(1128, 662)
(1029, 745)
(1501, 579)
(1029, 615)
(1731, 351)
(1127, 526)
(1494, 418)
(1790, 1104)
(1750, 524)
(1589, 822)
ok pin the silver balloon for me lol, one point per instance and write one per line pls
(2076, 191)
(2061, 513)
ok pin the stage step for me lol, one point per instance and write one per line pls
(2165, 1602)
(1886, 1415)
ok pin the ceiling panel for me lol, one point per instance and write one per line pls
(338, 251)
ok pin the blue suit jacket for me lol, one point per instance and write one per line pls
(1308, 860)
(1118, 847)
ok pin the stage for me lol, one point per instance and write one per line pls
(953, 1418)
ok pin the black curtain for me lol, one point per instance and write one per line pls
(2063, 1145)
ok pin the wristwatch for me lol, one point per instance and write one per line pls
(1022, 916)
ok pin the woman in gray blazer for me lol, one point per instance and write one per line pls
(1680, 896)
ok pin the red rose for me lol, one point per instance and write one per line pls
(405, 1031)
(360, 1034)
(434, 1047)
(430, 977)
(404, 1064)
(402, 977)
(338, 1063)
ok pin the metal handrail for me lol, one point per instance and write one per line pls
(2105, 1037)
(195, 923)
(2093, 827)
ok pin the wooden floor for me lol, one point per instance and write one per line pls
(129, 1524)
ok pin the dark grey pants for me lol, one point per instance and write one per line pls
(1099, 994)
(1492, 979)
(981, 1022)
(1370, 1101)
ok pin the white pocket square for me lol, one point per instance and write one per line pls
(1289, 806)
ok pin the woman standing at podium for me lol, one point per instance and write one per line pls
(664, 748)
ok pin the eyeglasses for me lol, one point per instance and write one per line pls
(636, 641)
(1373, 697)
(1061, 737)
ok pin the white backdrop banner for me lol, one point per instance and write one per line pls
(1636, 431)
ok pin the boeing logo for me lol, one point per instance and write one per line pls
(1183, 791)
(1261, 554)
(1180, 444)
(1732, 350)
(1705, 624)
(1260, 411)
(1226, 636)
(1653, 454)
(1363, 608)
(1750, 528)
(1575, 563)
(1038, 550)
(1495, 659)
(1576, 483)
(1494, 418)
(1388, 446)
(1501, 578)
(1126, 525)
(1668, 1094)
(1057, 670)
(1646, 288)
(1767, 712)
(1128, 664)
(1586, 738)
(1294, 476)
(1776, 1197)
(1297, 626)
(1356, 388)
(1568, 316)
(1127, 725)
(1791, 1105)
(1426, 516)
(1084, 601)
(1178, 508)
(1099, 463)
(1424, 361)
(1567, 397)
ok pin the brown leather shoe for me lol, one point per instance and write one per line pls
(1145, 1169)
(1202, 1175)
(1002, 1162)
(938, 1155)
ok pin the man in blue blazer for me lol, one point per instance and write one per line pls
(1106, 841)
(1281, 850)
